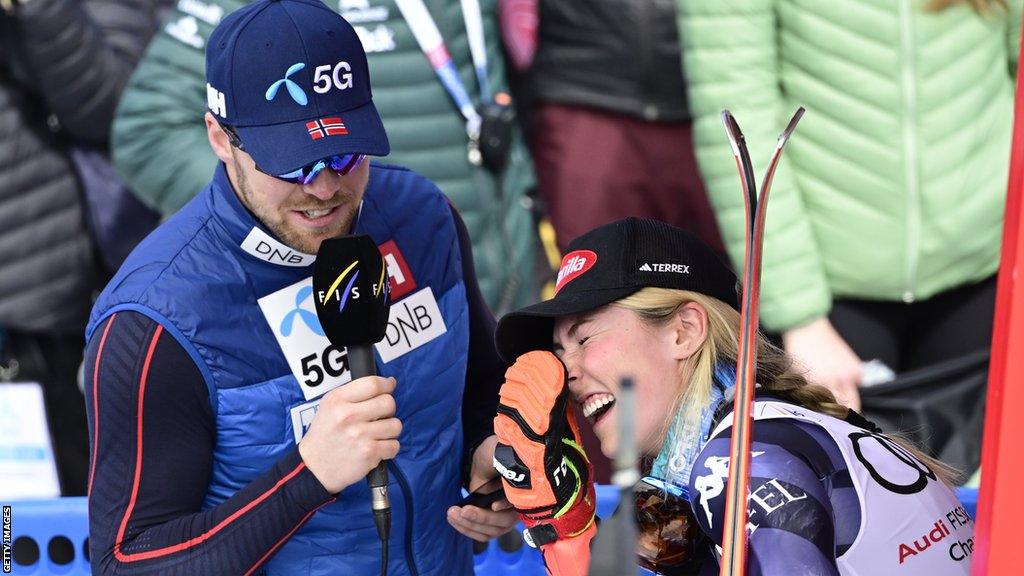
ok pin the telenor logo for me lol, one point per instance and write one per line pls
(308, 318)
(294, 91)
(574, 264)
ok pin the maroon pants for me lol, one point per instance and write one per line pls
(595, 167)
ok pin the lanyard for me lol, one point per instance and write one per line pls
(424, 29)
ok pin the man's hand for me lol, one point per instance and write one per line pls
(353, 430)
(828, 359)
(478, 523)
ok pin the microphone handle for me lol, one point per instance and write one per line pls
(361, 363)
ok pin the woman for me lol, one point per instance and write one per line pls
(643, 301)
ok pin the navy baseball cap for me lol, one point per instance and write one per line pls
(609, 263)
(290, 76)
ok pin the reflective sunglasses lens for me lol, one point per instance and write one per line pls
(340, 164)
(345, 164)
(295, 177)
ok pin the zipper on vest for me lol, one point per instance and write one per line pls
(399, 477)
(910, 153)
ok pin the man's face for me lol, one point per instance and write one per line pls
(301, 216)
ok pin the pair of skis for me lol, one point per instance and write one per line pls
(734, 544)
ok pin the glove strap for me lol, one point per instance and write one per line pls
(542, 531)
(540, 535)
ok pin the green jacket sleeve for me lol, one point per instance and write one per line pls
(731, 61)
(159, 140)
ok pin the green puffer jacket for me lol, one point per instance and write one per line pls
(893, 186)
(160, 146)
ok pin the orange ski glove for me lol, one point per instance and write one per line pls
(546, 473)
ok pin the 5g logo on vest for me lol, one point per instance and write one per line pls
(317, 366)
(333, 362)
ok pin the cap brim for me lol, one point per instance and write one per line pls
(532, 328)
(283, 148)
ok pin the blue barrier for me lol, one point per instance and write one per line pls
(969, 498)
(51, 537)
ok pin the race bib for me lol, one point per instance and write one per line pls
(318, 365)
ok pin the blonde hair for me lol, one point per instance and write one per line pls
(982, 7)
(775, 371)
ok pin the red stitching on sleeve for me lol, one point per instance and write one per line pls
(96, 402)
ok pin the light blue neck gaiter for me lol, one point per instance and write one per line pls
(684, 441)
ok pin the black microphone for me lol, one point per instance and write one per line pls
(352, 295)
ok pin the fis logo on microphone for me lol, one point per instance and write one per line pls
(351, 290)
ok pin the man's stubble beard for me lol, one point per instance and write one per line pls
(276, 222)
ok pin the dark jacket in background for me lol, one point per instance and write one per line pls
(616, 55)
(63, 64)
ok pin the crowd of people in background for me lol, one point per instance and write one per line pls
(883, 234)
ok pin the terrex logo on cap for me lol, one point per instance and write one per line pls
(574, 264)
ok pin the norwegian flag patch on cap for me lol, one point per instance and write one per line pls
(332, 126)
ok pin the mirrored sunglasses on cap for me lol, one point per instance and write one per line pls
(341, 165)
(669, 540)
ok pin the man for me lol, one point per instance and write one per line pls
(160, 149)
(225, 437)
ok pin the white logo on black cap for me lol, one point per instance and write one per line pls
(671, 268)
(215, 101)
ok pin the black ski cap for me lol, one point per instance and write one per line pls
(609, 263)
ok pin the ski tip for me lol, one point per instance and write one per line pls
(792, 123)
(732, 130)
(729, 121)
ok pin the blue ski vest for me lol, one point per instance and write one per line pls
(240, 304)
